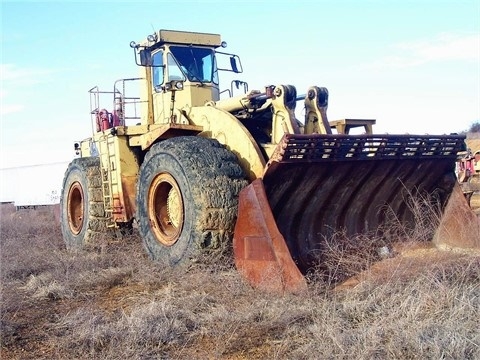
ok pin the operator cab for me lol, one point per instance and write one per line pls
(181, 71)
(186, 56)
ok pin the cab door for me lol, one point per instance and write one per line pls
(164, 69)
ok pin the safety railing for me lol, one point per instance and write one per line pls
(121, 106)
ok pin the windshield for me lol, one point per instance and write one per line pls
(198, 64)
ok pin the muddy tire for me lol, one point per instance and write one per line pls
(82, 210)
(187, 198)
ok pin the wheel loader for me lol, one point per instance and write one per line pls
(196, 167)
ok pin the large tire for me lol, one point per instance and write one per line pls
(187, 198)
(82, 210)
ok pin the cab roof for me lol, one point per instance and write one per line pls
(161, 37)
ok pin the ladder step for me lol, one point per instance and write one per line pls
(107, 184)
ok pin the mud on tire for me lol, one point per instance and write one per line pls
(187, 198)
(81, 202)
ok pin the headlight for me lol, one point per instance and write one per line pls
(152, 37)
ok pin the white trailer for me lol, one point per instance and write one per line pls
(32, 186)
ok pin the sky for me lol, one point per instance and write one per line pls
(414, 66)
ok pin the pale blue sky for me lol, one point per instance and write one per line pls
(412, 65)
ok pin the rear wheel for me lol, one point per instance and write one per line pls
(187, 198)
(83, 214)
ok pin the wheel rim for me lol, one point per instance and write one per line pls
(75, 208)
(165, 209)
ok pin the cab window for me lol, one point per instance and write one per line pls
(157, 68)
(197, 64)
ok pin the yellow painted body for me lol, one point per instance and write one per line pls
(250, 125)
(119, 175)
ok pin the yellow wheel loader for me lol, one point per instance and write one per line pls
(197, 167)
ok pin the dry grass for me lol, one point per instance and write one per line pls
(112, 302)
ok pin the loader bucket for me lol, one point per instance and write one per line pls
(317, 185)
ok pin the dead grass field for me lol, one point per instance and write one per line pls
(112, 302)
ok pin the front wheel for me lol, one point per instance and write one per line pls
(187, 198)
